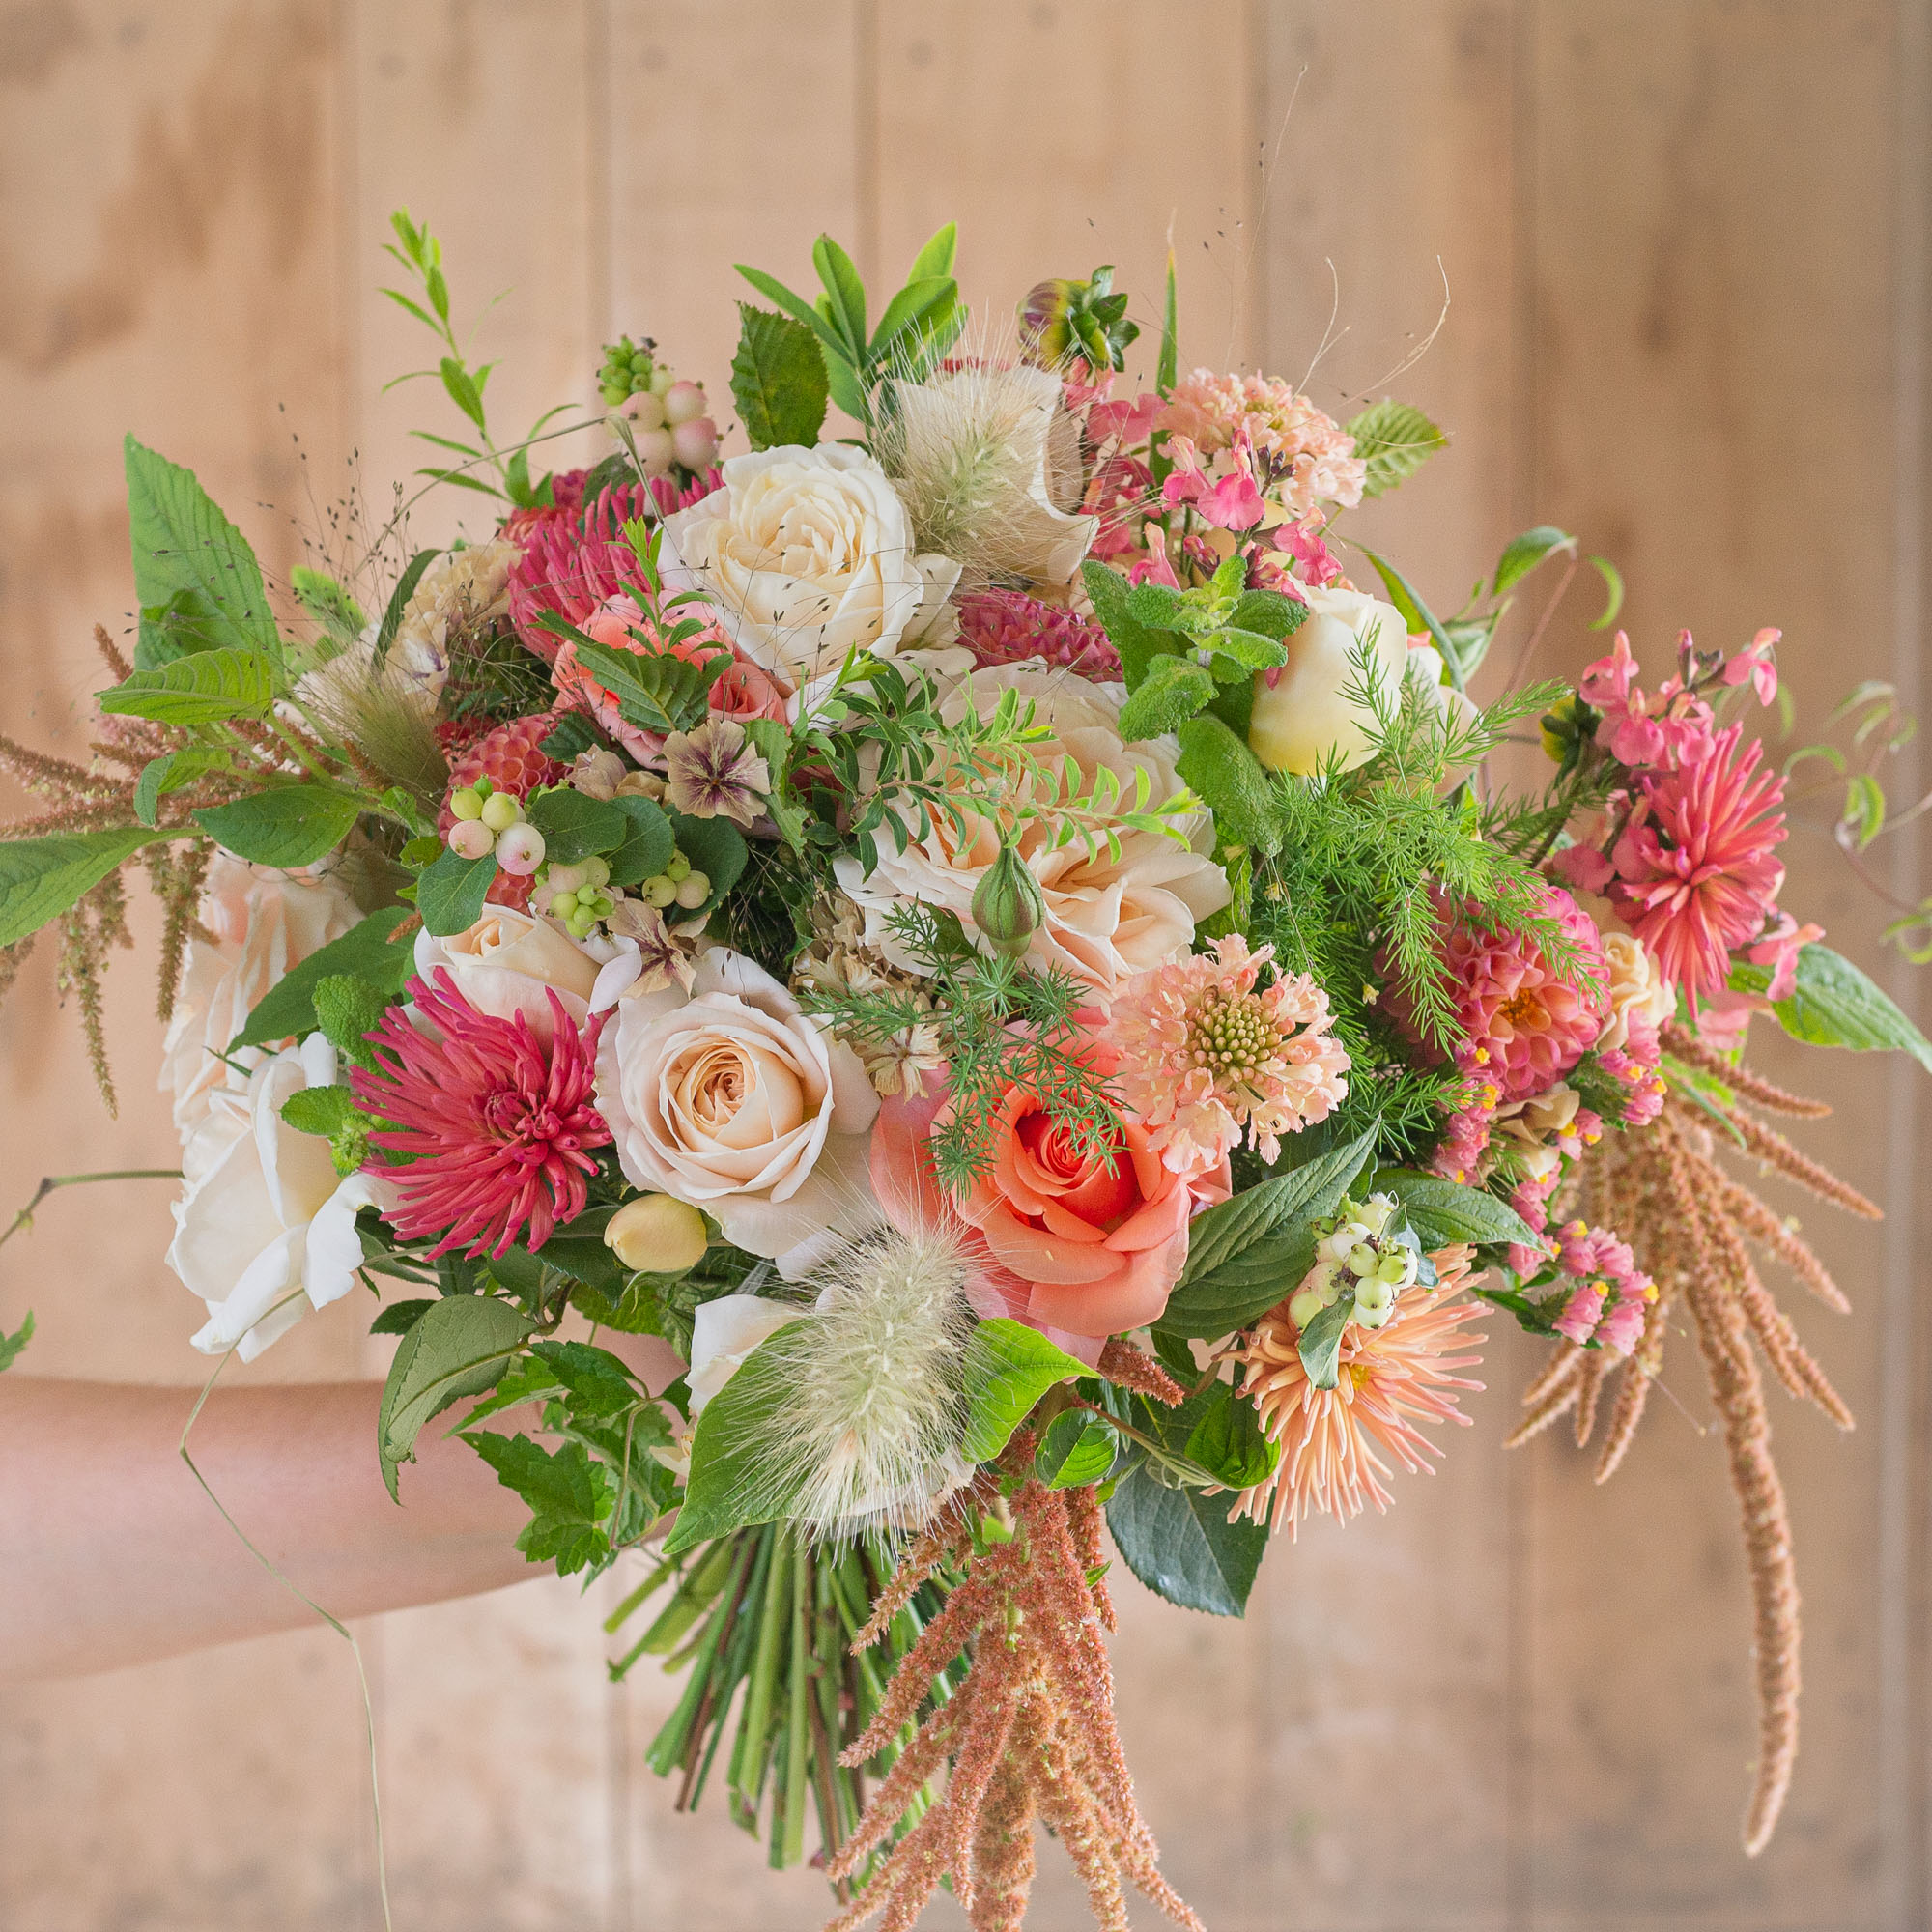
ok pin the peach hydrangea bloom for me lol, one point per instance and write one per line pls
(1203, 1056)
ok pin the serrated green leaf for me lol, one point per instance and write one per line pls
(1394, 439)
(1229, 780)
(778, 379)
(41, 878)
(349, 1008)
(170, 772)
(400, 1317)
(287, 826)
(1076, 1450)
(451, 890)
(196, 580)
(1442, 1212)
(1181, 1545)
(1008, 1368)
(323, 1110)
(1268, 612)
(203, 689)
(1139, 645)
(568, 1495)
(1173, 691)
(575, 826)
(364, 951)
(1249, 649)
(572, 733)
(460, 1347)
(660, 693)
(1833, 1003)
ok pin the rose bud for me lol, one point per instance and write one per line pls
(657, 1234)
(1008, 905)
(1302, 722)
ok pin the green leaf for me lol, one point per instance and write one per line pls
(660, 693)
(1009, 1367)
(1173, 691)
(1248, 649)
(1168, 367)
(1613, 587)
(323, 1111)
(778, 379)
(1139, 645)
(1268, 612)
(12, 1345)
(461, 1346)
(846, 295)
(1320, 1344)
(936, 257)
(365, 952)
(1246, 1253)
(647, 844)
(1229, 1442)
(569, 1495)
(1416, 615)
(329, 604)
(287, 826)
(349, 1008)
(171, 771)
(1834, 1004)
(451, 893)
(196, 580)
(1229, 780)
(199, 689)
(399, 601)
(1524, 553)
(1077, 1449)
(575, 826)
(1160, 607)
(739, 1475)
(460, 386)
(908, 311)
(1442, 1212)
(400, 1317)
(41, 878)
(572, 733)
(1181, 1545)
(715, 848)
(795, 306)
(1395, 439)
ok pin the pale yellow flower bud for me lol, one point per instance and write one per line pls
(657, 1234)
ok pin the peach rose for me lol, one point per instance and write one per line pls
(730, 1098)
(1108, 917)
(263, 923)
(507, 962)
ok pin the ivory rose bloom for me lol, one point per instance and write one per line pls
(730, 1098)
(724, 1333)
(808, 555)
(1638, 992)
(1301, 718)
(507, 962)
(265, 1226)
(1107, 916)
(263, 923)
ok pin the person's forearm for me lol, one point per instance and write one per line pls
(110, 1554)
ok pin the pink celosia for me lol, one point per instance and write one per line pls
(496, 1124)
(1204, 1055)
(1008, 627)
(1695, 873)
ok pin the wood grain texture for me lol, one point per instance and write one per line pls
(1681, 324)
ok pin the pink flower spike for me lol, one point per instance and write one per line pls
(500, 1126)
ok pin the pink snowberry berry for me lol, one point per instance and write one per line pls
(520, 849)
(471, 838)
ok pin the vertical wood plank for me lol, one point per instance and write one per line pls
(1703, 386)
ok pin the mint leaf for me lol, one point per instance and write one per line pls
(1139, 645)
(1229, 780)
(365, 952)
(320, 1110)
(287, 826)
(1395, 439)
(460, 1347)
(1174, 688)
(778, 379)
(349, 1008)
(1008, 1367)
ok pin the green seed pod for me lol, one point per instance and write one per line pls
(1007, 908)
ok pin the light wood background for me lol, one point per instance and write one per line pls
(1686, 247)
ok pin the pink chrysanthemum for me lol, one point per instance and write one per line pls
(1389, 1380)
(1525, 1024)
(498, 1123)
(573, 560)
(1202, 1055)
(1008, 627)
(1695, 871)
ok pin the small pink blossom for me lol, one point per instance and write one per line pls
(1757, 662)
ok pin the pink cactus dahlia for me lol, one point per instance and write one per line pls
(499, 1126)
(1203, 1056)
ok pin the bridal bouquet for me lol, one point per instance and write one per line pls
(986, 923)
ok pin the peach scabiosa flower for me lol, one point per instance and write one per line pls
(1388, 1380)
(1205, 1056)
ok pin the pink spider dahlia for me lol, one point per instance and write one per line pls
(498, 1124)
(1695, 873)
(1202, 1055)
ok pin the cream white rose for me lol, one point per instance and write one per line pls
(722, 1335)
(728, 1098)
(1108, 917)
(1636, 988)
(807, 556)
(1302, 719)
(264, 1227)
(263, 923)
(508, 962)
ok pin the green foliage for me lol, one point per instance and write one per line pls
(1229, 780)
(1063, 319)
(1138, 643)
(1229, 1442)
(332, 1114)
(12, 1345)
(575, 826)
(196, 580)
(42, 878)
(205, 688)
(647, 844)
(324, 600)
(715, 848)
(655, 691)
(1076, 1449)
(568, 1496)
(1834, 1004)
(173, 770)
(451, 890)
(778, 379)
(399, 602)
(460, 1346)
(1009, 1367)
(364, 952)
(288, 826)
(349, 1008)
(1442, 1212)
(1394, 439)
(1319, 1344)
(1178, 1541)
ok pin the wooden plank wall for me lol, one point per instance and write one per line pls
(1685, 245)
